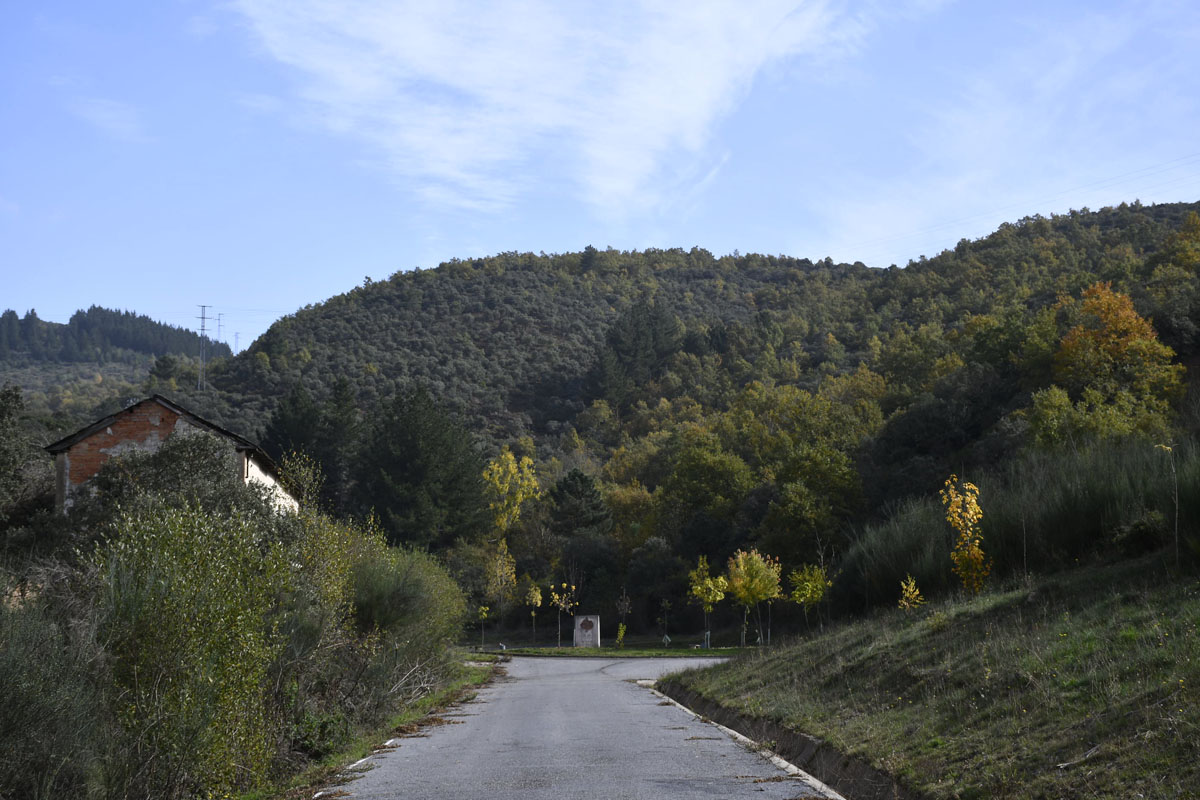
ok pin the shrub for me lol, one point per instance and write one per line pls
(51, 706)
(203, 649)
(185, 600)
(413, 612)
(910, 595)
(193, 469)
(313, 619)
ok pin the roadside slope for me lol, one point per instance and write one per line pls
(1082, 684)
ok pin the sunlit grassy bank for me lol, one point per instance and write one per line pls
(1083, 684)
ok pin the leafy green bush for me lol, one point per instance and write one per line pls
(313, 619)
(414, 611)
(364, 629)
(208, 644)
(193, 468)
(185, 601)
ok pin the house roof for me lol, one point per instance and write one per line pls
(240, 442)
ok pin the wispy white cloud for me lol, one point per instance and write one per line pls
(473, 100)
(117, 120)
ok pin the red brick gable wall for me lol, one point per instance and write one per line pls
(143, 427)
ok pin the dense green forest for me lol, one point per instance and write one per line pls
(673, 440)
(703, 405)
(98, 334)
(98, 359)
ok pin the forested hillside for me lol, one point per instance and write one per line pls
(674, 405)
(98, 334)
(677, 442)
(636, 411)
(98, 357)
(512, 339)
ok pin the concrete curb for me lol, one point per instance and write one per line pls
(851, 775)
(774, 758)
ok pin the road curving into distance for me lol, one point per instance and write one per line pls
(567, 728)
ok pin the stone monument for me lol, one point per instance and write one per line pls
(587, 630)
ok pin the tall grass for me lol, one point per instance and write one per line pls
(1044, 511)
(52, 715)
(1081, 684)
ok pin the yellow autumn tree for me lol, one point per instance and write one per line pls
(501, 576)
(810, 584)
(753, 578)
(706, 590)
(563, 599)
(910, 595)
(533, 599)
(961, 499)
(510, 482)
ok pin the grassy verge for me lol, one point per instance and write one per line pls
(326, 772)
(624, 652)
(1084, 684)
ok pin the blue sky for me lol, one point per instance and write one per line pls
(261, 155)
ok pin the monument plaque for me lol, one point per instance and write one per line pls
(587, 630)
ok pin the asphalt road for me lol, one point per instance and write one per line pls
(568, 728)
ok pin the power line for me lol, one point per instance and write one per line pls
(203, 320)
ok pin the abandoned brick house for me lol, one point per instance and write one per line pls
(143, 427)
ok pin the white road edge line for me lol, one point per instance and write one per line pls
(343, 773)
(770, 755)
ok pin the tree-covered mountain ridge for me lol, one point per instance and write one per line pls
(100, 357)
(670, 439)
(633, 412)
(511, 340)
(97, 335)
(661, 406)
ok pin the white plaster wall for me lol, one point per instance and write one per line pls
(254, 472)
